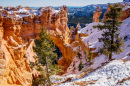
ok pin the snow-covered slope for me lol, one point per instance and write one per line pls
(115, 71)
(94, 34)
(93, 42)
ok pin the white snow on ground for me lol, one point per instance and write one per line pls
(94, 34)
(108, 75)
(55, 11)
(116, 70)
(39, 12)
(124, 31)
(24, 12)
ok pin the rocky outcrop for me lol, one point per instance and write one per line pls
(125, 11)
(96, 14)
(14, 68)
(19, 27)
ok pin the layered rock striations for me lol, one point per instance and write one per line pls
(19, 26)
(14, 68)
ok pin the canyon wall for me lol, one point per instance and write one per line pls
(14, 68)
(19, 27)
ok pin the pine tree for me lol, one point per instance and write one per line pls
(45, 57)
(90, 57)
(78, 52)
(85, 53)
(110, 37)
(80, 65)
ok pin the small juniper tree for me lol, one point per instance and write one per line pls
(110, 37)
(90, 57)
(78, 52)
(85, 53)
(45, 57)
(74, 66)
(80, 65)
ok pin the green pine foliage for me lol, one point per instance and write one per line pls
(90, 57)
(80, 65)
(45, 58)
(78, 52)
(110, 37)
(85, 53)
(74, 64)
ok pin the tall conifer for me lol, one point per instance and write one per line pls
(110, 37)
(45, 57)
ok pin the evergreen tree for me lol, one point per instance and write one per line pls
(78, 52)
(80, 65)
(110, 37)
(90, 57)
(85, 53)
(45, 57)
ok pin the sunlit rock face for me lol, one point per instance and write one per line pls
(14, 68)
(19, 27)
(96, 14)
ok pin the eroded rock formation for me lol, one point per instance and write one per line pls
(19, 27)
(96, 14)
(14, 68)
(125, 11)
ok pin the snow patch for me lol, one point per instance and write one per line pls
(108, 75)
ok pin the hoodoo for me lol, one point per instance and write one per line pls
(96, 14)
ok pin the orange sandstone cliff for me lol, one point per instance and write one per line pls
(19, 27)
